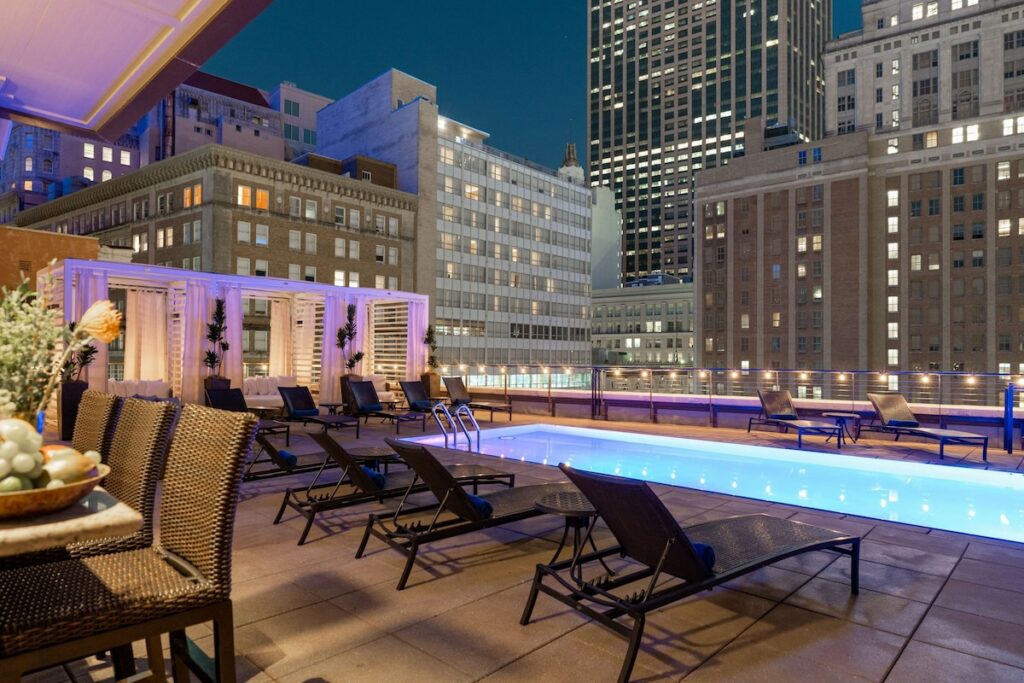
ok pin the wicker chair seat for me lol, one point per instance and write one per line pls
(61, 601)
(741, 540)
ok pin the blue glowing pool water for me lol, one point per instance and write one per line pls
(981, 502)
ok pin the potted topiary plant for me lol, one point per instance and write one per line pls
(430, 379)
(72, 386)
(214, 358)
(346, 334)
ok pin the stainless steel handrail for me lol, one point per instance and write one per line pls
(465, 411)
(440, 425)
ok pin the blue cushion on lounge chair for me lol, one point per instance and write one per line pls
(289, 458)
(423, 405)
(483, 508)
(376, 477)
(902, 423)
(372, 408)
(459, 401)
(782, 416)
(306, 412)
(706, 554)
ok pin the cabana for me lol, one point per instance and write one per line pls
(166, 311)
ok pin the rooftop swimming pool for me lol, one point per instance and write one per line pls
(981, 502)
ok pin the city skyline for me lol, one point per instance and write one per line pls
(537, 128)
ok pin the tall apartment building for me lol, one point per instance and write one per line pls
(298, 115)
(644, 324)
(505, 243)
(209, 109)
(921, 226)
(223, 210)
(669, 82)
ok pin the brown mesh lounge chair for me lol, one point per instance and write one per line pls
(56, 612)
(366, 404)
(360, 484)
(300, 407)
(94, 426)
(778, 411)
(416, 396)
(136, 459)
(466, 512)
(897, 418)
(460, 396)
(234, 400)
(671, 562)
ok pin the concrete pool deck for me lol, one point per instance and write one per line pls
(934, 605)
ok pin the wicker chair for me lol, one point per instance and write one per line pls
(94, 427)
(108, 600)
(136, 460)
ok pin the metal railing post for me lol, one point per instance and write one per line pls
(551, 403)
(1008, 402)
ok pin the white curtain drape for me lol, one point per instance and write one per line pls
(145, 337)
(197, 312)
(359, 343)
(90, 288)
(331, 361)
(280, 337)
(415, 351)
(232, 365)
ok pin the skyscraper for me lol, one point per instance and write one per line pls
(669, 82)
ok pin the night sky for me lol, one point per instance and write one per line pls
(514, 69)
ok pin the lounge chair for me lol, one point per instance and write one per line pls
(416, 396)
(467, 513)
(778, 410)
(365, 404)
(96, 421)
(234, 400)
(683, 561)
(300, 407)
(460, 396)
(359, 484)
(898, 419)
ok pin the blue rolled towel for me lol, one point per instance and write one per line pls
(482, 507)
(706, 554)
(376, 477)
(423, 405)
(289, 458)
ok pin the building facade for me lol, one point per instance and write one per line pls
(922, 206)
(648, 325)
(298, 115)
(510, 240)
(669, 84)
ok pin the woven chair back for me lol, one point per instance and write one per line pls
(296, 398)
(440, 481)
(364, 395)
(227, 399)
(892, 407)
(94, 426)
(357, 477)
(200, 495)
(456, 390)
(777, 403)
(136, 459)
(641, 523)
(414, 391)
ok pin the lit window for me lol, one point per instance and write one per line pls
(915, 261)
(972, 132)
(893, 146)
(801, 270)
(894, 277)
(894, 356)
(88, 173)
(816, 242)
(262, 200)
(816, 293)
(1004, 227)
(894, 224)
(28, 164)
(892, 198)
(893, 330)
(89, 150)
(893, 304)
(801, 244)
(106, 175)
(931, 139)
(471, 191)
(244, 195)
(895, 67)
(894, 250)
(932, 9)
(958, 135)
(745, 321)
(108, 154)
(1003, 170)
(311, 209)
(27, 185)
(776, 319)
(353, 279)
(126, 158)
(339, 278)
(917, 12)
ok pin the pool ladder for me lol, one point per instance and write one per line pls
(456, 420)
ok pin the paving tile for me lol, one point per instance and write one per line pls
(771, 583)
(907, 558)
(266, 596)
(877, 610)
(954, 547)
(883, 578)
(985, 601)
(923, 663)
(384, 659)
(972, 634)
(990, 574)
(844, 524)
(998, 554)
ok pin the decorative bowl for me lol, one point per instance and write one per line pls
(44, 501)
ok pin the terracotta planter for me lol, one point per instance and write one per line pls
(70, 398)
